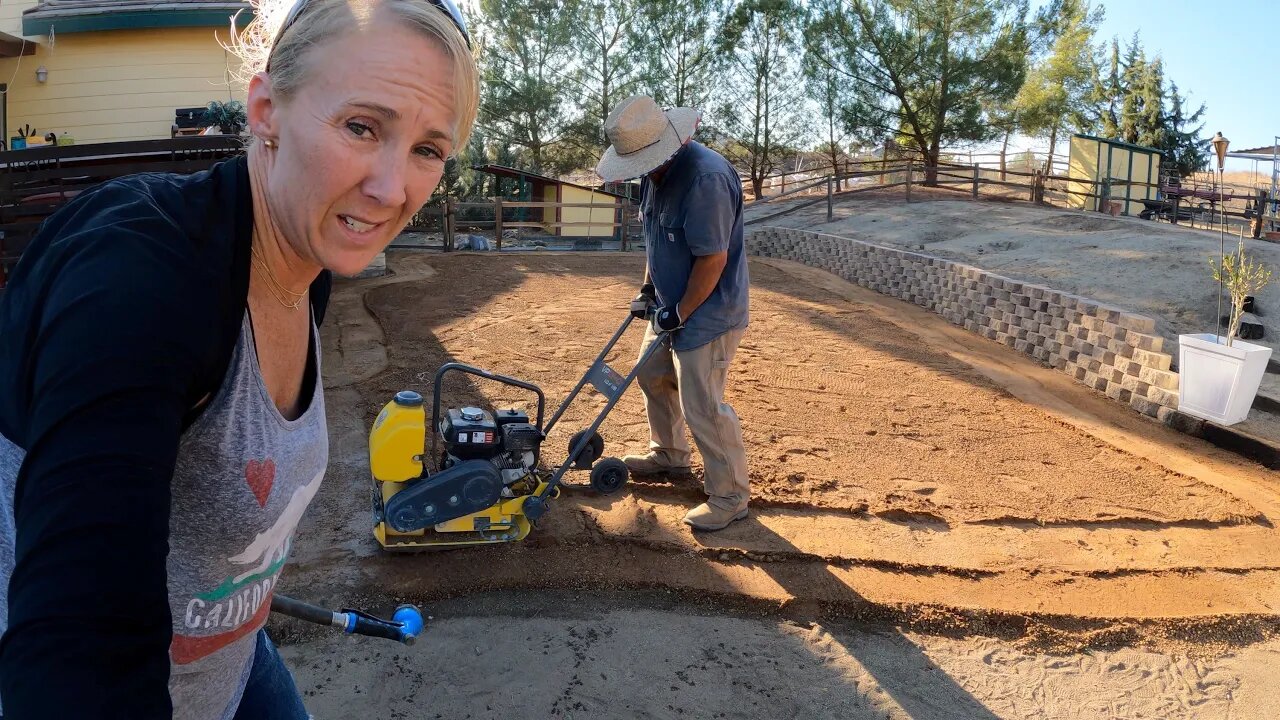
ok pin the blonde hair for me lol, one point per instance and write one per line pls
(323, 20)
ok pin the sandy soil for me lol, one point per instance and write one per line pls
(574, 656)
(1149, 267)
(841, 410)
(938, 524)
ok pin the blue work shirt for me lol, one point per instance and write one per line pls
(697, 210)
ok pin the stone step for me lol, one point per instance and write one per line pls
(1268, 398)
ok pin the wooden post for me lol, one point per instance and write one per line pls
(1035, 180)
(1259, 213)
(831, 213)
(911, 169)
(627, 219)
(446, 220)
(975, 182)
(884, 161)
(1177, 208)
(617, 222)
(497, 221)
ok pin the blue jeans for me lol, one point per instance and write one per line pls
(271, 693)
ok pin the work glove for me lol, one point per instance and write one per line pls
(668, 319)
(645, 300)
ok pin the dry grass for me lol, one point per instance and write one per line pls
(1237, 179)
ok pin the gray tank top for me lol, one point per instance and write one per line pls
(244, 477)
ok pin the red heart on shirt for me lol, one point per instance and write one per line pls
(260, 476)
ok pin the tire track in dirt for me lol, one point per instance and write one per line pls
(1059, 396)
(655, 658)
(918, 551)
(659, 490)
(964, 547)
(1045, 610)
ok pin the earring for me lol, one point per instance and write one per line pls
(271, 144)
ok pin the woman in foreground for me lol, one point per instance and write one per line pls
(162, 422)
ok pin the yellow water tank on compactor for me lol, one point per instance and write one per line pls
(398, 437)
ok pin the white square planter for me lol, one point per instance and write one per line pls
(1216, 382)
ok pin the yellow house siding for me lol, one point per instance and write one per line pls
(119, 85)
(603, 213)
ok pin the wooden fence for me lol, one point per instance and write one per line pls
(1035, 187)
(844, 167)
(37, 181)
(496, 216)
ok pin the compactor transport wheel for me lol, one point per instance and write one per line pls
(591, 453)
(609, 475)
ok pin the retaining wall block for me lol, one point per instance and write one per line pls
(1107, 348)
(1163, 397)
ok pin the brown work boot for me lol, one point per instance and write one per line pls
(708, 517)
(652, 464)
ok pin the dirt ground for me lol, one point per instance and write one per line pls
(940, 528)
(1149, 267)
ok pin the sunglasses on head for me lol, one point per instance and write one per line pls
(447, 6)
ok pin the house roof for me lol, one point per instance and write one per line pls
(96, 15)
(1264, 150)
(1121, 143)
(511, 172)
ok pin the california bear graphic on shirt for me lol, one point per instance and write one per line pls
(242, 482)
(240, 603)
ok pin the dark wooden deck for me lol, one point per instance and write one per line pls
(35, 182)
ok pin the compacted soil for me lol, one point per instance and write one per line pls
(939, 528)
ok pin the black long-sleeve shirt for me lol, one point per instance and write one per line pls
(120, 317)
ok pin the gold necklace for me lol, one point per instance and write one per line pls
(277, 290)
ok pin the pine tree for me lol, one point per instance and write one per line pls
(608, 58)
(830, 93)
(1130, 87)
(1150, 92)
(677, 43)
(762, 92)
(604, 73)
(1058, 90)
(460, 181)
(1182, 147)
(1110, 94)
(926, 71)
(529, 54)
(1150, 113)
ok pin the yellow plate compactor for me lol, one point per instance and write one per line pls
(487, 484)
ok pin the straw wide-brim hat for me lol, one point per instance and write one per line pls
(643, 137)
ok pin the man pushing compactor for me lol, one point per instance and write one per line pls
(696, 277)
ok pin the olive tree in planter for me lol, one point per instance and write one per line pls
(230, 116)
(1218, 377)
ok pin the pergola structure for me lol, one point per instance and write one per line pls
(1271, 154)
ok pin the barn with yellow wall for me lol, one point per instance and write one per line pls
(594, 221)
(1123, 173)
(598, 220)
(112, 71)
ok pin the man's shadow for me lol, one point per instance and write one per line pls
(921, 688)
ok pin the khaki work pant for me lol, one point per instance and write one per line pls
(688, 387)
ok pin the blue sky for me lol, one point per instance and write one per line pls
(1220, 53)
